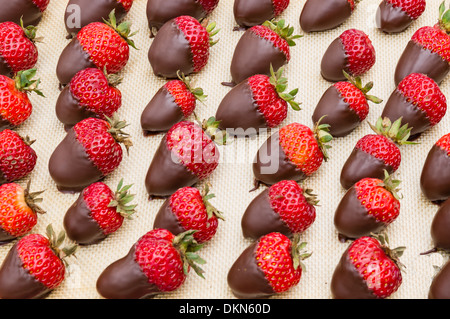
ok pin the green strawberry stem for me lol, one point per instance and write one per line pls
(395, 253)
(286, 32)
(56, 241)
(391, 184)
(123, 29)
(280, 84)
(298, 252)
(210, 29)
(444, 18)
(394, 131)
(24, 82)
(33, 198)
(188, 247)
(211, 127)
(113, 79)
(117, 132)
(210, 209)
(356, 81)
(310, 197)
(323, 136)
(30, 32)
(198, 92)
(121, 200)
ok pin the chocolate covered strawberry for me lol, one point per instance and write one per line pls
(428, 51)
(419, 101)
(248, 13)
(90, 151)
(260, 47)
(79, 13)
(90, 93)
(161, 11)
(181, 45)
(344, 105)
(352, 52)
(186, 154)
(30, 11)
(257, 102)
(157, 263)
(440, 283)
(18, 212)
(321, 15)
(269, 266)
(368, 269)
(285, 207)
(173, 102)
(34, 266)
(17, 157)
(293, 153)
(98, 212)
(439, 230)
(105, 46)
(367, 207)
(189, 209)
(395, 16)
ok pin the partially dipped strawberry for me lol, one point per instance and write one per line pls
(98, 212)
(352, 52)
(367, 207)
(260, 47)
(90, 151)
(159, 262)
(344, 105)
(34, 266)
(269, 266)
(368, 269)
(173, 102)
(257, 102)
(439, 230)
(321, 15)
(254, 12)
(285, 207)
(439, 287)
(189, 209)
(181, 45)
(102, 45)
(90, 93)
(419, 101)
(30, 11)
(395, 16)
(293, 153)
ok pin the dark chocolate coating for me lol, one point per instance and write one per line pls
(272, 159)
(334, 61)
(360, 165)
(435, 177)
(5, 237)
(165, 175)
(16, 282)
(239, 112)
(341, 118)
(13, 10)
(170, 51)
(440, 285)
(320, 15)
(5, 124)
(417, 59)
(246, 279)
(161, 113)
(5, 68)
(166, 219)
(124, 279)
(260, 219)
(79, 224)
(392, 19)
(70, 167)
(347, 282)
(91, 11)
(440, 227)
(253, 55)
(249, 13)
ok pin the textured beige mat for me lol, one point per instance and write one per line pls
(233, 179)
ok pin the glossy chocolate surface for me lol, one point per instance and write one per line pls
(440, 285)
(4, 68)
(248, 13)
(165, 218)
(391, 19)
(320, 15)
(440, 227)
(334, 61)
(5, 237)
(13, 10)
(435, 177)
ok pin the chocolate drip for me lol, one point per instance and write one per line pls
(435, 177)
(249, 13)
(334, 61)
(165, 218)
(13, 10)
(440, 285)
(392, 19)
(320, 16)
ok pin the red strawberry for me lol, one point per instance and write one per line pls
(30, 11)
(18, 212)
(257, 102)
(352, 52)
(367, 207)
(90, 93)
(318, 15)
(428, 51)
(98, 212)
(188, 209)
(344, 106)
(396, 15)
(176, 100)
(269, 266)
(368, 269)
(90, 151)
(285, 207)
(188, 42)
(17, 158)
(187, 154)
(419, 101)
(34, 266)
(97, 45)
(158, 262)
(80, 13)
(250, 13)
(260, 47)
